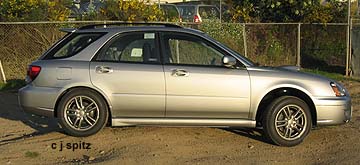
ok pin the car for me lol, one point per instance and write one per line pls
(79, 10)
(198, 12)
(164, 74)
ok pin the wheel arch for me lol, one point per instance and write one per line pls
(85, 88)
(284, 91)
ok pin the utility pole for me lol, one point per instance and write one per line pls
(91, 7)
(358, 8)
(220, 11)
(47, 10)
(348, 46)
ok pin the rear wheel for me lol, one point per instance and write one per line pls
(82, 112)
(287, 121)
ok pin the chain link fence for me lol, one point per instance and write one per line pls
(22, 43)
(323, 47)
(320, 47)
(272, 44)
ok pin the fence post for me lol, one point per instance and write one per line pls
(2, 72)
(350, 48)
(298, 52)
(245, 40)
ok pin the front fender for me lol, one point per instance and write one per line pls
(258, 94)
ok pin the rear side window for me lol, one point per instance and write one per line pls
(72, 45)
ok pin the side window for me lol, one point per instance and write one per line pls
(186, 49)
(132, 47)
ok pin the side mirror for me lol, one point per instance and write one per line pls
(229, 61)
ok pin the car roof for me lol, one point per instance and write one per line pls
(116, 28)
(167, 4)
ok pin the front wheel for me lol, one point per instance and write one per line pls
(82, 112)
(287, 121)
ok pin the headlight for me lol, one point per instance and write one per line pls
(338, 90)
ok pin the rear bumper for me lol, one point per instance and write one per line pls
(38, 100)
(333, 111)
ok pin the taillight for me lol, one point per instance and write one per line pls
(196, 19)
(33, 72)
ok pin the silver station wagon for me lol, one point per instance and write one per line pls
(164, 74)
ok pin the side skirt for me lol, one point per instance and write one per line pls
(184, 122)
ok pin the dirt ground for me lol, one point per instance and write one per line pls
(35, 140)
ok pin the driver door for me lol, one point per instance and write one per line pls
(197, 84)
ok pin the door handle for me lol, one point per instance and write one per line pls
(179, 73)
(103, 69)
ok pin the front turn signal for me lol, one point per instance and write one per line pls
(338, 91)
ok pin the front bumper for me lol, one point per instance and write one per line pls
(333, 110)
(38, 100)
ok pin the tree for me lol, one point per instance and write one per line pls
(34, 10)
(131, 10)
(288, 11)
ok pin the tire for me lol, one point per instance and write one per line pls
(82, 112)
(287, 121)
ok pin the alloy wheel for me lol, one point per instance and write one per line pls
(81, 113)
(290, 122)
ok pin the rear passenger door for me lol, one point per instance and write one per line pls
(128, 70)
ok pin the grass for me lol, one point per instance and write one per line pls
(334, 76)
(30, 154)
(12, 85)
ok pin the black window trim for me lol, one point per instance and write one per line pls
(118, 35)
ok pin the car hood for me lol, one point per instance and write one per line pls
(290, 72)
(264, 78)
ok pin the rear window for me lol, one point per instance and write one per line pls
(169, 10)
(208, 12)
(72, 44)
(186, 10)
